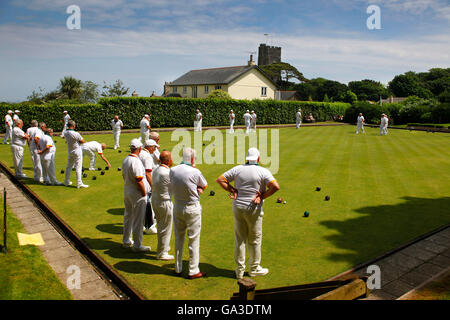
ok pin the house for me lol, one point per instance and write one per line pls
(392, 99)
(241, 82)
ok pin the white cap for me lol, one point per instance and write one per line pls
(16, 111)
(146, 116)
(252, 154)
(253, 111)
(247, 111)
(135, 144)
(10, 111)
(150, 142)
(64, 111)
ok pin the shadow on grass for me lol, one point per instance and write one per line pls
(385, 227)
(112, 228)
(116, 211)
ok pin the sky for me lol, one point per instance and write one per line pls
(147, 42)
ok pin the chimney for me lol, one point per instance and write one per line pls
(251, 62)
(166, 88)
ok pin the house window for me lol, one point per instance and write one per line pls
(174, 89)
(184, 89)
(206, 89)
(263, 91)
(194, 92)
(218, 88)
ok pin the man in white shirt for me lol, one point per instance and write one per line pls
(231, 117)
(384, 124)
(147, 161)
(247, 120)
(360, 123)
(74, 141)
(145, 128)
(156, 154)
(162, 205)
(66, 121)
(16, 116)
(117, 126)
(47, 151)
(90, 149)
(8, 127)
(253, 120)
(187, 184)
(298, 116)
(198, 120)
(18, 141)
(35, 134)
(135, 190)
(252, 184)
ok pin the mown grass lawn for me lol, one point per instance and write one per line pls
(24, 272)
(384, 192)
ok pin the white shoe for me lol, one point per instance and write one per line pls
(165, 256)
(141, 249)
(260, 271)
(127, 245)
(92, 169)
(239, 274)
(57, 183)
(68, 184)
(82, 186)
(152, 230)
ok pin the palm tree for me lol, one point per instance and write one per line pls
(70, 87)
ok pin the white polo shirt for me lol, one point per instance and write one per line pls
(116, 125)
(161, 183)
(198, 116)
(299, 115)
(92, 146)
(8, 120)
(247, 117)
(133, 169)
(144, 124)
(15, 117)
(254, 117)
(248, 180)
(66, 119)
(17, 137)
(73, 139)
(47, 141)
(34, 132)
(184, 180)
(360, 119)
(155, 155)
(231, 116)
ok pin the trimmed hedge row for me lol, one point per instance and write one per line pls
(427, 125)
(172, 112)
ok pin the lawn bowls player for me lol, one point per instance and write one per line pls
(18, 141)
(231, 117)
(47, 151)
(253, 126)
(187, 184)
(252, 184)
(135, 190)
(298, 117)
(162, 205)
(156, 154)
(117, 126)
(16, 116)
(145, 128)
(360, 123)
(8, 127)
(383, 124)
(74, 141)
(146, 158)
(198, 121)
(65, 119)
(35, 134)
(248, 121)
(91, 149)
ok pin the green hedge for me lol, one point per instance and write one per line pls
(173, 112)
(427, 125)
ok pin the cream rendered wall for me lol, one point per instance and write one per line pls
(200, 90)
(248, 86)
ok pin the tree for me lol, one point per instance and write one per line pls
(408, 84)
(368, 90)
(115, 90)
(219, 94)
(70, 87)
(349, 97)
(281, 73)
(90, 92)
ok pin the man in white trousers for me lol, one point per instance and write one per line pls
(91, 149)
(66, 119)
(383, 124)
(35, 134)
(74, 141)
(117, 126)
(135, 192)
(162, 205)
(253, 127)
(145, 128)
(252, 184)
(247, 121)
(298, 120)
(198, 121)
(47, 151)
(8, 127)
(231, 117)
(187, 184)
(360, 123)
(18, 141)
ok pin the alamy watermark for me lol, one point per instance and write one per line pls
(74, 279)
(213, 146)
(374, 21)
(374, 280)
(74, 20)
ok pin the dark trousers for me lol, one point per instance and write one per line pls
(148, 222)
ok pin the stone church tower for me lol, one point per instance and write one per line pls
(268, 54)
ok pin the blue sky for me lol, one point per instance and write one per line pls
(147, 42)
